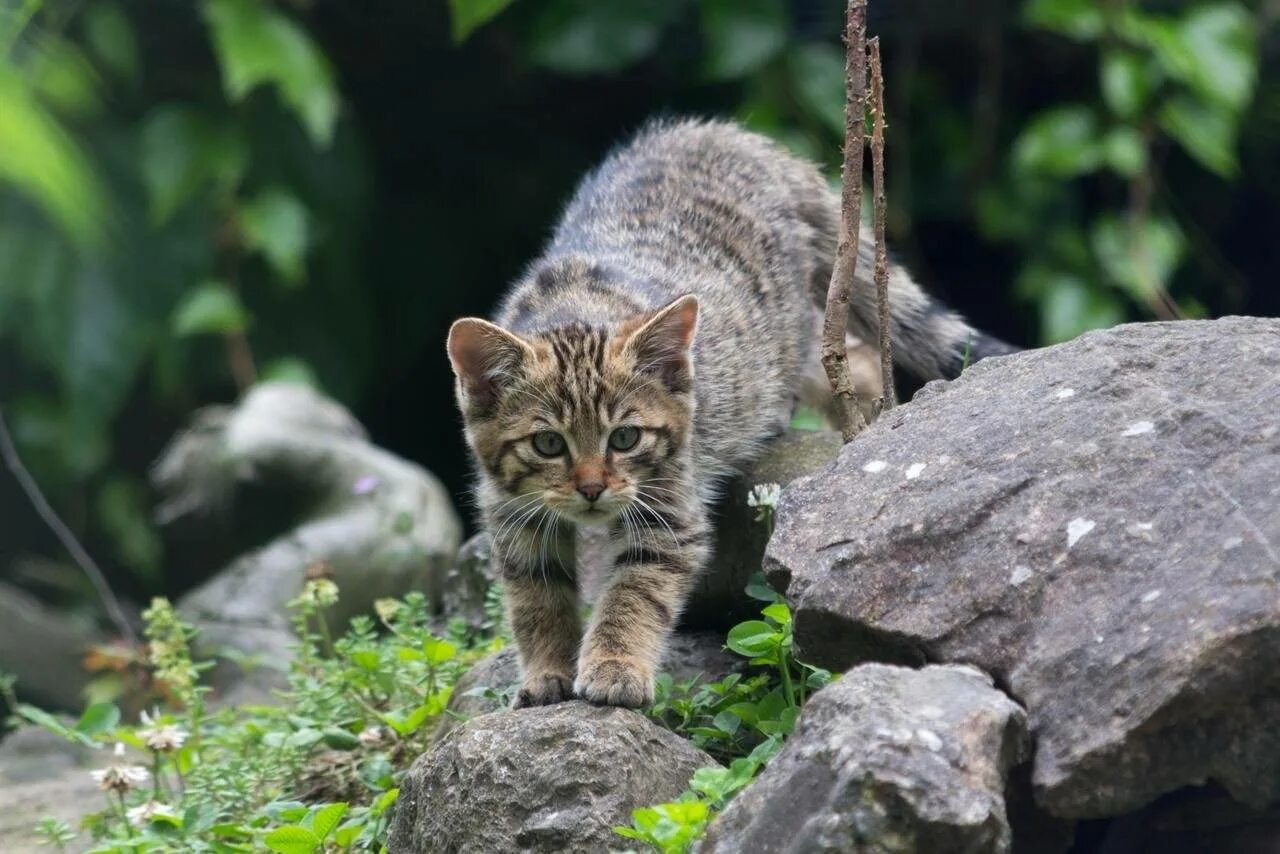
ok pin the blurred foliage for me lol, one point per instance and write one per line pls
(185, 188)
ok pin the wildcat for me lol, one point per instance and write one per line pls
(655, 346)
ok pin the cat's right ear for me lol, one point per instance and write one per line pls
(483, 354)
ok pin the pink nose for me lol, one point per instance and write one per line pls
(591, 490)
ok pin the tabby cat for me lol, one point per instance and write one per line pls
(655, 346)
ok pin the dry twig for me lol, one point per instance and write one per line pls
(835, 358)
(888, 394)
(99, 581)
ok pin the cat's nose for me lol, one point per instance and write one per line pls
(590, 490)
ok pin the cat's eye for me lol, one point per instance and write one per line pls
(624, 438)
(549, 443)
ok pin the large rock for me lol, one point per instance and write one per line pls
(492, 682)
(554, 778)
(315, 497)
(1098, 525)
(886, 759)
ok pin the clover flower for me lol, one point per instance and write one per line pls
(120, 778)
(162, 738)
(764, 495)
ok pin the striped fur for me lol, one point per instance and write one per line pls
(679, 296)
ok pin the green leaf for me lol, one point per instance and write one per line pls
(1206, 132)
(728, 722)
(210, 308)
(367, 659)
(1126, 82)
(276, 224)
(304, 738)
(110, 37)
(816, 72)
(340, 739)
(384, 802)
(439, 651)
(41, 718)
(289, 369)
(292, 839)
(590, 37)
(410, 724)
(742, 35)
(754, 637)
(184, 151)
(1061, 142)
(98, 718)
(256, 45)
(1125, 151)
(1221, 37)
(470, 15)
(1078, 19)
(326, 819)
(1140, 262)
(779, 613)
(64, 77)
(41, 160)
(759, 589)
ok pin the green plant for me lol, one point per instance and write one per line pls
(741, 720)
(318, 772)
(1184, 78)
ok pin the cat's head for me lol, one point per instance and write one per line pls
(583, 421)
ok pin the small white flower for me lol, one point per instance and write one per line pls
(372, 736)
(141, 815)
(161, 737)
(120, 778)
(764, 495)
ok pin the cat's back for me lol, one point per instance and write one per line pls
(708, 208)
(697, 195)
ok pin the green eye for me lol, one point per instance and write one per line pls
(624, 438)
(548, 443)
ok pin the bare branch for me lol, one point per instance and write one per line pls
(888, 394)
(835, 358)
(99, 581)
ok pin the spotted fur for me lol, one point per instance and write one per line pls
(678, 296)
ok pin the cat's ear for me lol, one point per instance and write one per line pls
(483, 354)
(661, 341)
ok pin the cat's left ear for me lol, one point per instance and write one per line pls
(661, 341)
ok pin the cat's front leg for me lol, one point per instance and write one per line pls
(541, 598)
(650, 581)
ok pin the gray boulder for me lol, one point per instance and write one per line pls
(323, 499)
(554, 778)
(491, 683)
(886, 759)
(1097, 524)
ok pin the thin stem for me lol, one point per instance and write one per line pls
(835, 358)
(784, 665)
(888, 394)
(69, 542)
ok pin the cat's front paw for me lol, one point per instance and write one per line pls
(543, 689)
(614, 682)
